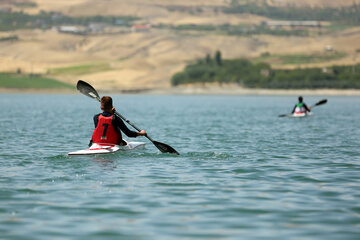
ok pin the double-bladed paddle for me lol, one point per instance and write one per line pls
(321, 102)
(89, 91)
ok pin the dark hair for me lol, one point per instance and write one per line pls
(300, 99)
(106, 103)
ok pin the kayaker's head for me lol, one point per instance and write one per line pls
(300, 99)
(106, 104)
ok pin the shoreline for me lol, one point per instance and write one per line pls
(258, 91)
(196, 90)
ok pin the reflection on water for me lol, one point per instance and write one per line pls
(105, 164)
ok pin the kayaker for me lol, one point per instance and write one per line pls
(301, 107)
(108, 126)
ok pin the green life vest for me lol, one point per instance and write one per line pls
(300, 108)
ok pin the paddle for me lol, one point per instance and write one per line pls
(321, 102)
(89, 91)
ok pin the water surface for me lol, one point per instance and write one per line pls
(243, 173)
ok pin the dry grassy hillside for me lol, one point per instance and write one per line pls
(132, 60)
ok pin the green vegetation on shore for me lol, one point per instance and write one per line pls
(345, 14)
(20, 20)
(9, 38)
(261, 75)
(298, 58)
(236, 30)
(12, 80)
(27, 4)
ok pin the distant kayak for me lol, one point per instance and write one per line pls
(304, 114)
(97, 148)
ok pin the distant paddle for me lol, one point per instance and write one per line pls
(321, 102)
(89, 91)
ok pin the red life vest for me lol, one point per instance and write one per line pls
(105, 131)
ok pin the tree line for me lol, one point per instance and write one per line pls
(235, 30)
(21, 20)
(344, 14)
(261, 75)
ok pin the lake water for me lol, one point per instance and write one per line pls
(243, 172)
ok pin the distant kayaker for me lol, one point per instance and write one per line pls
(108, 126)
(301, 107)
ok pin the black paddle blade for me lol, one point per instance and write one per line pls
(87, 89)
(321, 102)
(164, 148)
(283, 115)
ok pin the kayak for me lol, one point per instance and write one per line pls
(100, 148)
(301, 114)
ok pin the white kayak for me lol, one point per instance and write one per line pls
(99, 148)
(301, 114)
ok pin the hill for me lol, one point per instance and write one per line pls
(176, 32)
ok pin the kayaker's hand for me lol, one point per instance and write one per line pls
(142, 133)
(113, 110)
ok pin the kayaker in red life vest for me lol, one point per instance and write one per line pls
(108, 126)
(301, 107)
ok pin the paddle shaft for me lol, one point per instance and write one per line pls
(161, 146)
(318, 104)
(131, 124)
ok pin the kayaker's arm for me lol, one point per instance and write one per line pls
(96, 119)
(121, 125)
(307, 108)
(293, 109)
